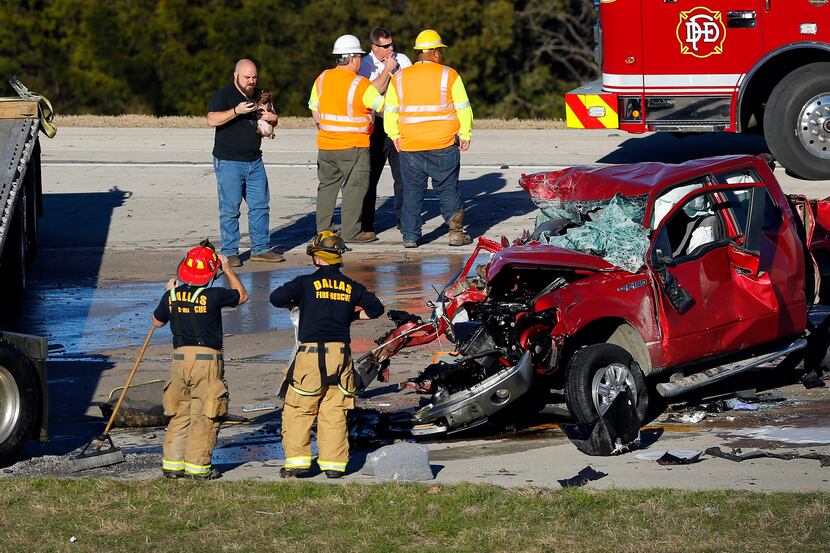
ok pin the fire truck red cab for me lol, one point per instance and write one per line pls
(715, 65)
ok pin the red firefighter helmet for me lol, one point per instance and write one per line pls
(199, 266)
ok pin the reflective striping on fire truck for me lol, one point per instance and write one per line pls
(591, 111)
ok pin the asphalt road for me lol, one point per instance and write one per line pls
(122, 205)
(155, 188)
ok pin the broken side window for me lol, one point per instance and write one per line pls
(740, 200)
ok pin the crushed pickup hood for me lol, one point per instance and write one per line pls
(540, 255)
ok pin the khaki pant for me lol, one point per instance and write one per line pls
(307, 398)
(346, 170)
(197, 399)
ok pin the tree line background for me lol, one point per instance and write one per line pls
(166, 57)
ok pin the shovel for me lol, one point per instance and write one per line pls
(100, 451)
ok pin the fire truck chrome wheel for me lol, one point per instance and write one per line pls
(608, 383)
(814, 126)
(9, 404)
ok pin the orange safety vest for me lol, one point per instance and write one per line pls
(344, 121)
(428, 120)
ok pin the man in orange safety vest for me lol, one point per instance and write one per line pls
(429, 118)
(341, 103)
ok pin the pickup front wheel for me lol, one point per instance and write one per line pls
(596, 375)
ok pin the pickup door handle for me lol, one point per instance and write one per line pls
(740, 18)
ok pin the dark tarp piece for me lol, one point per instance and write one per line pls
(617, 431)
(669, 459)
(584, 476)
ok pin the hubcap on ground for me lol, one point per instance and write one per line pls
(608, 383)
(9, 404)
(814, 126)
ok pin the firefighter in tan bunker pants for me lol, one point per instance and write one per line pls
(320, 384)
(196, 396)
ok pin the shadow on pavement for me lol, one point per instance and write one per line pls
(77, 221)
(484, 205)
(671, 148)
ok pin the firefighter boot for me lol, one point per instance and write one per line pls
(457, 235)
(294, 473)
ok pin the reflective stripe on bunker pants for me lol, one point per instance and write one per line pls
(309, 398)
(197, 399)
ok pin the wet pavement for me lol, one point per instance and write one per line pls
(82, 318)
(94, 330)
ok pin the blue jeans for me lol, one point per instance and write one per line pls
(442, 167)
(235, 181)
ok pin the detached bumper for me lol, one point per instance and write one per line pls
(590, 107)
(477, 403)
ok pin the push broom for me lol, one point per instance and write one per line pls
(100, 451)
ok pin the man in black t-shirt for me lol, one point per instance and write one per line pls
(319, 383)
(196, 396)
(237, 161)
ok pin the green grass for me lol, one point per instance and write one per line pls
(160, 515)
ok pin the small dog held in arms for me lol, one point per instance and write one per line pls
(265, 103)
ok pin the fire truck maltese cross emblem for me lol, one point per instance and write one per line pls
(701, 32)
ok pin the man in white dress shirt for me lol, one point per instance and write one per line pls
(379, 67)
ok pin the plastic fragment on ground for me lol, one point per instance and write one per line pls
(588, 474)
(611, 229)
(693, 418)
(401, 462)
(688, 455)
(739, 455)
(738, 405)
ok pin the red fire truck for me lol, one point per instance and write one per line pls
(715, 65)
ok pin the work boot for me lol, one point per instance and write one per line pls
(333, 474)
(234, 261)
(457, 235)
(410, 243)
(212, 475)
(172, 474)
(365, 236)
(294, 473)
(269, 256)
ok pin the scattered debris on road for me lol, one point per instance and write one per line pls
(588, 474)
(671, 456)
(739, 455)
(402, 462)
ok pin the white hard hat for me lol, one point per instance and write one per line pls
(347, 44)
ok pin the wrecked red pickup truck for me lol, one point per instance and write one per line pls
(683, 274)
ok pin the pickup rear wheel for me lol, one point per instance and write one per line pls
(19, 398)
(797, 121)
(596, 375)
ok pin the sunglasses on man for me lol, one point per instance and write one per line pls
(384, 45)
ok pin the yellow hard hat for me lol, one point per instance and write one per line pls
(327, 246)
(428, 40)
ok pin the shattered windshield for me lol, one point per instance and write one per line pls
(611, 229)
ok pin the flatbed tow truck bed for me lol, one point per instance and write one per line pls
(23, 382)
